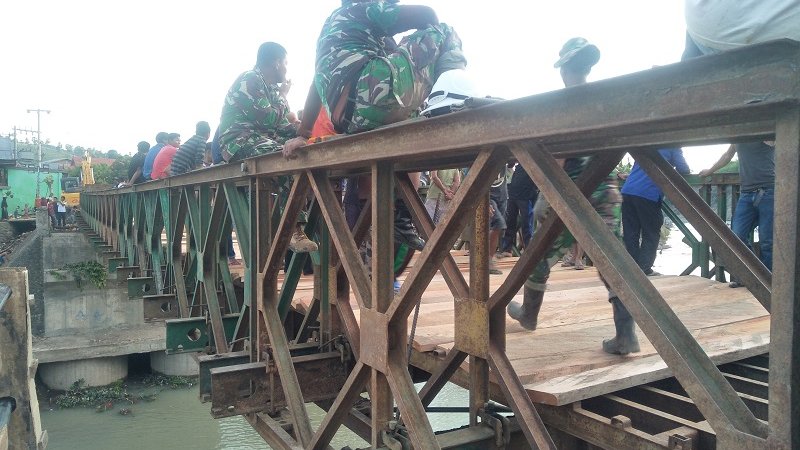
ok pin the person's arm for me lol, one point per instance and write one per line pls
(456, 181)
(723, 161)
(679, 162)
(135, 176)
(413, 17)
(437, 181)
(310, 114)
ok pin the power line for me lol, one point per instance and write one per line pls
(39, 138)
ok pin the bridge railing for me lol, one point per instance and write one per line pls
(748, 94)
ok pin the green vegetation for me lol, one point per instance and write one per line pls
(106, 397)
(91, 271)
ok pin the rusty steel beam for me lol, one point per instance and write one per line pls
(206, 255)
(515, 394)
(380, 392)
(705, 384)
(272, 432)
(244, 388)
(784, 360)
(450, 272)
(340, 235)
(411, 409)
(483, 171)
(472, 313)
(350, 392)
(738, 87)
(441, 375)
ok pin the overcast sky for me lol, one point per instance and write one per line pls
(115, 73)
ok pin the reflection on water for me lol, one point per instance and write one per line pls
(177, 420)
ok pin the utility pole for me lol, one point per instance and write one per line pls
(39, 138)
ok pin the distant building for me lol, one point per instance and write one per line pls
(20, 179)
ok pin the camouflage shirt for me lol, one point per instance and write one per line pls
(350, 37)
(253, 107)
(609, 187)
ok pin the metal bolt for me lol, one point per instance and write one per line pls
(679, 442)
(621, 421)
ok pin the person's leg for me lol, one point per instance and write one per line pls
(246, 146)
(391, 89)
(510, 235)
(631, 227)
(525, 208)
(441, 209)
(744, 220)
(431, 205)
(766, 212)
(527, 313)
(496, 227)
(652, 219)
(578, 257)
(606, 200)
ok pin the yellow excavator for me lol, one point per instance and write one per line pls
(71, 187)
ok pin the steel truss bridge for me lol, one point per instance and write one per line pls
(259, 360)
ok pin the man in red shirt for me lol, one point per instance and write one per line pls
(164, 158)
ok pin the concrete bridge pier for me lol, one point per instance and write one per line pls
(179, 364)
(103, 371)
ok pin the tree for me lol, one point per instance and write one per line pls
(48, 180)
(112, 154)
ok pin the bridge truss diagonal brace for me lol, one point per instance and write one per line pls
(485, 169)
(350, 258)
(549, 231)
(712, 394)
(737, 257)
(452, 275)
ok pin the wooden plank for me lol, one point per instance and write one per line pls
(745, 339)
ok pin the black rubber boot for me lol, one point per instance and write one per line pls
(404, 231)
(528, 312)
(625, 341)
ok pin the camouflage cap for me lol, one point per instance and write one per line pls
(589, 53)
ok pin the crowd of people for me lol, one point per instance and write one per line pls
(364, 79)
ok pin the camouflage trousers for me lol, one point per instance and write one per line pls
(251, 144)
(606, 200)
(392, 88)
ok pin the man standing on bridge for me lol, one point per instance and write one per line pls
(365, 80)
(577, 59)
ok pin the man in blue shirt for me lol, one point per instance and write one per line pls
(641, 211)
(147, 168)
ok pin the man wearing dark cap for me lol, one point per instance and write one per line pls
(576, 60)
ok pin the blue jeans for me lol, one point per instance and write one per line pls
(522, 210)
(750, 214)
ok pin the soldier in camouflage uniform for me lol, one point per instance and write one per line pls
(254, 117)
(365, 80)
(255, 120)
(577, 59)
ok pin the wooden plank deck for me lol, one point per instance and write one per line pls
(562, 361)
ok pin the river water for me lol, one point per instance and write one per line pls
(177, 420)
